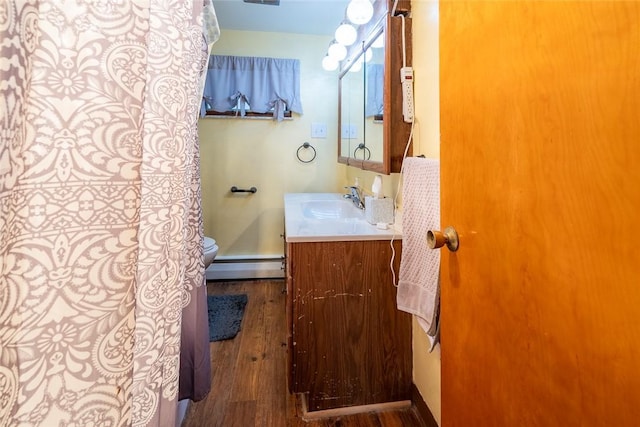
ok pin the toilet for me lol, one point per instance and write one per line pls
(210, 251)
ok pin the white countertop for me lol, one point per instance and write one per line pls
(329, 217)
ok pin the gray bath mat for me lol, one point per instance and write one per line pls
(225, 315)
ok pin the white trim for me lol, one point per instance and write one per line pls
(256, 267)
(351, 410)
(223, 258)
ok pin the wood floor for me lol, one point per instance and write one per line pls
(249, 372)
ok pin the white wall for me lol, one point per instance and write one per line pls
(262, 153)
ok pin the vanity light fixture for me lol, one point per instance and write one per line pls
(359, 11)
(329, 64)
(345, 34)
(337, 51)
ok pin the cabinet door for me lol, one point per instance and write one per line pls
(351, 345)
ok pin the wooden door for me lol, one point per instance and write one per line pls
(540, 150)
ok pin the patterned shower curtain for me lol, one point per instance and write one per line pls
(100, 222)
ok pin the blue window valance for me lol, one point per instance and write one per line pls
(375, 90)
(264, 84)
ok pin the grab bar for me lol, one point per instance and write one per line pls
(235, 189)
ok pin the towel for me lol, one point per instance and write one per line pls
(418, 280)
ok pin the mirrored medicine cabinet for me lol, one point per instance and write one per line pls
(372, 134)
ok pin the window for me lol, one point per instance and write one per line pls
(252, 86)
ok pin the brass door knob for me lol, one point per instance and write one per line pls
(437, 239)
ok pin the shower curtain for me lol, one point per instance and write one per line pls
(100, 222)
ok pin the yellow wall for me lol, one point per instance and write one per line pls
(426, 366)
(262, 153)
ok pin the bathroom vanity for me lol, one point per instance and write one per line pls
(348, 343)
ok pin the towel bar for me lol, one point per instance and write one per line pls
(235, 189)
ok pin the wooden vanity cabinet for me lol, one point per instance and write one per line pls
(349, 345)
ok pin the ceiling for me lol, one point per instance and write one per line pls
(320, 17)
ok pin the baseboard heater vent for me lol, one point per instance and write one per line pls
(246, 268)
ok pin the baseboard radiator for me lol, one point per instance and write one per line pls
(246, 267)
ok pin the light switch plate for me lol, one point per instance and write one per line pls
(349, 131)
(353, 131)
(318, 130)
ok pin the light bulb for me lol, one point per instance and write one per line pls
(359, 11)
(329, 64)
(346, 35)
(337, 51)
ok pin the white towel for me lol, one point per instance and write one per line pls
(418, 284)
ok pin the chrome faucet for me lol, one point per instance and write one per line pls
(356, 196)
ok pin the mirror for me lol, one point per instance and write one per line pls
(361, 88)
(374, 98)
(352, 108)
(380, 147)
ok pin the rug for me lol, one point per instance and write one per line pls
(225, 315)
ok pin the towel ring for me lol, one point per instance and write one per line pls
(365, 149)
(306, 145)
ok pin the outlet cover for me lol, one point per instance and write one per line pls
(318, 130)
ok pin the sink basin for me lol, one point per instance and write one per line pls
(329, 217)
(330, 209)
